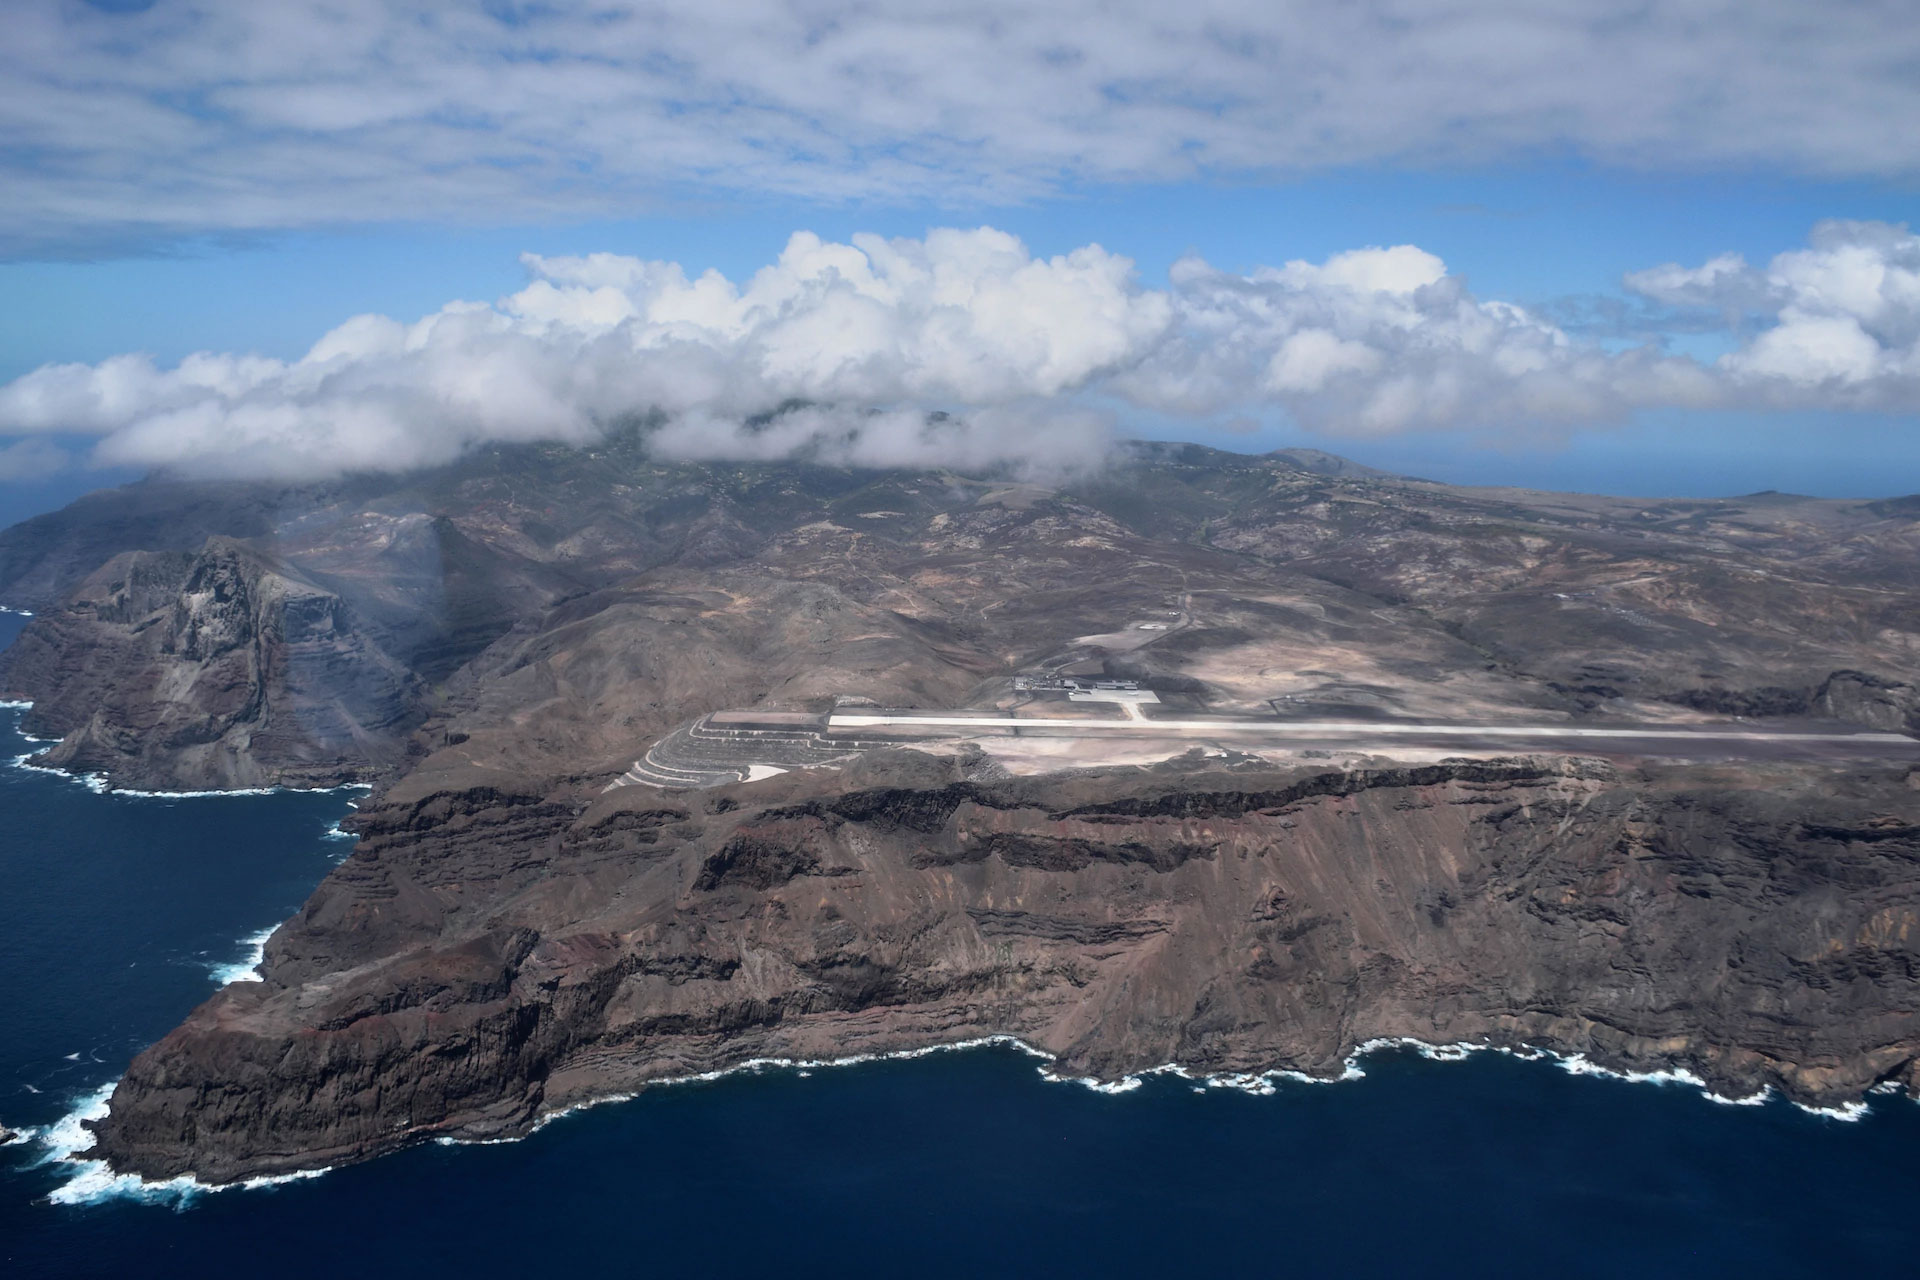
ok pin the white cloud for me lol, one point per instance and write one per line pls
(962, 318)
(1809, 349)
(1047, 437)
(1841, 317)
(1725, 282)
(1031, 355)
(1376, 341)
(1310, 358)
(208, 115)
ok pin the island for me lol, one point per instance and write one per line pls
(1230, 763)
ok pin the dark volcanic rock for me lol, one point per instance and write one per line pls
(491, 953)
(496, 640)
(215, 669)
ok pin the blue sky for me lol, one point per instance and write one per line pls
(204, 177)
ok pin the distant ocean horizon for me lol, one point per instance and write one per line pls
(119, 913)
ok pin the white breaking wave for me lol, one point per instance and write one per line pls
(237, 791)
(1262, 1083)
(18, 613)
(194, 795)
(247, 968)
(94, 782)
(66, 1140)
(1580, 1065)
(754, 1065)
(100, 784)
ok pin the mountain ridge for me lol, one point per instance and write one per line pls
(526, 924)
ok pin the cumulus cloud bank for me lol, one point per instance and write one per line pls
(961, 319)
(1842, 316)
(963, 348)
(187, 116)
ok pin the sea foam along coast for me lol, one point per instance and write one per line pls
(94, 782)
(247, 967)
(1263, 1083)
(1572, 1063)
(99, 784)
(68, 1140)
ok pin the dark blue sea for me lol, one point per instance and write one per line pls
(116, 912)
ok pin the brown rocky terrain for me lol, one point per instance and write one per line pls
(554, 604)
(222, 667)
(493, 643)
(493, 952)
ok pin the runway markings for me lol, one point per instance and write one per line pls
(1347, 728)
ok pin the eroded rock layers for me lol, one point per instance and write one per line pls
(492, 952)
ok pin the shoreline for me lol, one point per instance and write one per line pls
(94, 1182)
(100, 785)
(67, 1141)
(247, 967)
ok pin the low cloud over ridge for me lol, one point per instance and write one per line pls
(1034, 358)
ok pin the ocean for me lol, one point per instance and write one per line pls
(118, 914)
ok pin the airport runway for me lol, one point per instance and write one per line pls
(1734, 741)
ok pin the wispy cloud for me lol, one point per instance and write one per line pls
(32, 459)
(1031, 355)
(191, 117)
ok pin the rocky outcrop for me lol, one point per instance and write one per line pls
(216, 668)
(1878, 702)
(498, 639)
(43, 558)
(1854, 697)
(494, 951)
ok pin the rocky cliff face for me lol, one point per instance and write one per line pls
(218, 668)
(492, 951)
(494, 641)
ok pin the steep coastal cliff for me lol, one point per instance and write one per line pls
(220, 668)
(491, 953)
(491, 644)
